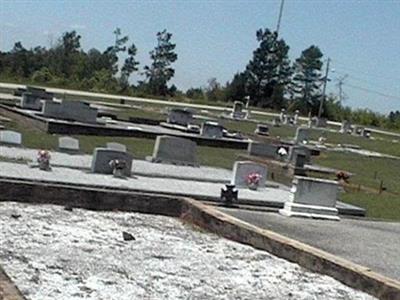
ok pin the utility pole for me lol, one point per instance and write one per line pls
(321, 105)
(340, 86)
(280, 17)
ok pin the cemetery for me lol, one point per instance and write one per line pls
(267, 189)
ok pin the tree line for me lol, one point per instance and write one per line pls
(66, 64)
(269, 80)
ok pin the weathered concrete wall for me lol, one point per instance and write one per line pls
(8, 290)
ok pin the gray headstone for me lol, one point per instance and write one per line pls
(263, 150)
(175, 150)
(241, 169)
(237, 112)
(312, 197)
(70, 110)
(31, 101)
(66, 143)
(262, 129)
(302, 135)
(102, 157)
(180, 116)
(294, 150)
(10, 137)
(116, 146)
(212, 130)
(346, 127)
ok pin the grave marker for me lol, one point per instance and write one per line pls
(68, 144)
(242, 169)
(102, 158)
(10, 137)
(312, 197)
(175, 150)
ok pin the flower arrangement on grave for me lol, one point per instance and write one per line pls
(43, 159)
(253, 180)
(342, 176)
(118, 166)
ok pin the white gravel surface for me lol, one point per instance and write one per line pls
(52, 253)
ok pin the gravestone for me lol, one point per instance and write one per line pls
(296, 117)
(212, 130)
(175, 150)
(31, 101)
(116, 146)
(262, 149)
(10, 137)
(346, 127)
(237, 112)
(302, 135)
(312, 197)
(299, 160)
(241, 169)
(294, 150)
(68, 144)
(282, 115)
(102, 158)
(70, 110)
(180, 116)
(262, 129)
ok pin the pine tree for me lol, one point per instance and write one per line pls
(160, 71)
(307, 80)
(269, 71)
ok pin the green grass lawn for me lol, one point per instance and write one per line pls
(384, 207)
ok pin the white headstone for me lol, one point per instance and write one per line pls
(10, 137)
(312, 197)
(242, 169)
(116, 146)
(67, 143)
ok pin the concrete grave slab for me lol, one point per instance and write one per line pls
(241, 169)
(10, 137)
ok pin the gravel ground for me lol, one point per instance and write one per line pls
(52, 253)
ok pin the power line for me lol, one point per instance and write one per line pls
(371, 91)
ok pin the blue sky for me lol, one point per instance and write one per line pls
(216, 38)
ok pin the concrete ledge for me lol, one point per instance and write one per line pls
(311, 258)
(8, 290)
(208, 218)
